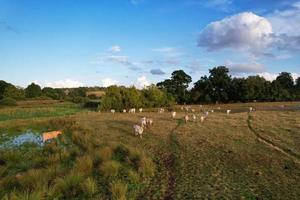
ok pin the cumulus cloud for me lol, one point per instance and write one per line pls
(254, 34)
(286, 21)
(109, 82)
(142, 82)
(67, 83)
(252, 67)
(268, 76)
(272, 76)
(115, 49)
(157, 72)
(242, 31)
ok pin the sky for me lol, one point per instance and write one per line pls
(71, 43)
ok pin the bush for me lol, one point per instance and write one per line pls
(103, 154)
(110, 168)
(121, 153)
(84, 165)
(68, 187)
(89, 187)
(118, 190)
(7, 101)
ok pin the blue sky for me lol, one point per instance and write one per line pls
(66, 43)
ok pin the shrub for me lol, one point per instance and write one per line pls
(121, 152)
(84, 165)
(7, 101)
(110, 168)
(68, 187)
(89, 187)
(118, 190)
(146, 167)
(133, 177)
(103, 154)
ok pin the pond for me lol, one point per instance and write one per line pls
(24, 138)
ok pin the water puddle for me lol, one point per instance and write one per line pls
(28, 137)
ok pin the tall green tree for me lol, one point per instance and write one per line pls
(177, 85)
(220, 82)
(3, 85)
(33, 91)
(14, 93)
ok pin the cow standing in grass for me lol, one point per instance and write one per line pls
(138, 130)
(186, 118)
(112, 111)
(173, 114)
(228, 112)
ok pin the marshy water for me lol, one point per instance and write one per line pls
(28, 137)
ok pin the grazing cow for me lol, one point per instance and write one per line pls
(161, 110)
(124, 111)
(194, 117)
(212, 111)
(173, 114)
(202, 118)
(138, 130)
(132, 111)
(200, 106)
(183, 108)
(193, 110)
(186, 118)
(250, 109)
(228, 112)
(141, 110)
(206, 113)
(143, 122)
(149, 121)
(112, 111)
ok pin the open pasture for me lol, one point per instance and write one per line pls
(237, 156)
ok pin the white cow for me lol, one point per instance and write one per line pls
(194, 117)
(228, 112)
(143, 122)
(124, 111)
(250, 109)
(112, 111)
(161, 110)
(138, 130)
(186, 118)
(149, 121)
(173, 114)
(202, 118)
(212, 111)
(132, 111)
(141, 110)
(193, 110)
(206, 113)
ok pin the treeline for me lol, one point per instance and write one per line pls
(220, 87)
(217, 87)
(113, 97)
(120, 98)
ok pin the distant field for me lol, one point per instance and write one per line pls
(240, 156)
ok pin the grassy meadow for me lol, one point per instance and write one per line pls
(238, 156)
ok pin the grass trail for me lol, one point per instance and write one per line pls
(288, 152)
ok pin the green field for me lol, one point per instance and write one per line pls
(240, 156)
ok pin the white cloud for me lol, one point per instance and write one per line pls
(142, 82)
(245, 67)
(242, 31)
(272, 76)
(67, 83)
(109, 82)
(115, 49)
(286, 21)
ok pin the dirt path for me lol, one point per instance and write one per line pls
(170, 163)
(287, 152)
